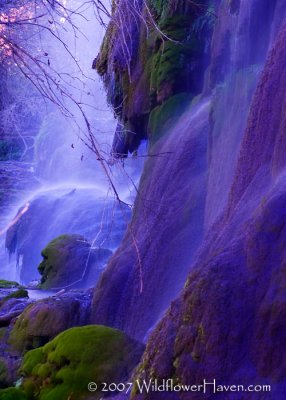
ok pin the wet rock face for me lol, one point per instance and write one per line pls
(234, 6)
(65, 261)
(69, 262)
(43, 320)
(79, 356)
(167, 225)
(183, 194)
(229, 321)
(264, 140)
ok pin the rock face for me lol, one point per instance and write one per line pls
(185, 188)
(218, 217)
(208, 227)
(64, 261)
(69, 262)
(148, 77)
(45, 319)
(167, 236)
(264, 136)
(63, 368)
(229, 321)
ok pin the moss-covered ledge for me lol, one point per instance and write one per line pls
(164, 62)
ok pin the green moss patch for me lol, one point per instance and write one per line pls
(163, 117)
(18, 294)
(12, 394)
(64, 261)
(3, 374)
(63, 368)
(8, 284)
(18, 337)
(172, 58)
(164, 64)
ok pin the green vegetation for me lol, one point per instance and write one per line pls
(8, 284)
(166, 62)
(51, 254)
(3, 374)
(163, 117)
(171, 56)
(18, 338)
(41, 322)
(63, 368)
(12, 394)
(64, 260)
(18, 294)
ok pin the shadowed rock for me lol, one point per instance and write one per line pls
(69, 262)
(45, 319)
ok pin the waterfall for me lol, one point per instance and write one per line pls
(185, 193)
(63, 189)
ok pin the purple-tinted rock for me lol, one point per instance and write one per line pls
(45, 319)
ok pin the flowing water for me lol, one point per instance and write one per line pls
(185, 194)
(62, 189)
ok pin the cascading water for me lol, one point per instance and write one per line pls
(65, 190)
(240, 45)
(186, 206)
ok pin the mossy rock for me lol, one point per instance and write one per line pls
(18, 294)
(8, 284)
(3, 332)
(63, 368)
(12, 394)
(43, 320)
(163, 117)
(171, 64)
(64, 261)
(173, 60)
(163, 64)
(4, 374)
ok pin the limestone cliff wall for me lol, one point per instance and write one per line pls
(214, 208)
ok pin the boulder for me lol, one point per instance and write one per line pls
(43, 320)
(12, 304)
(64, 263)
(8, 284)
(63, 368)
(69, 262)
